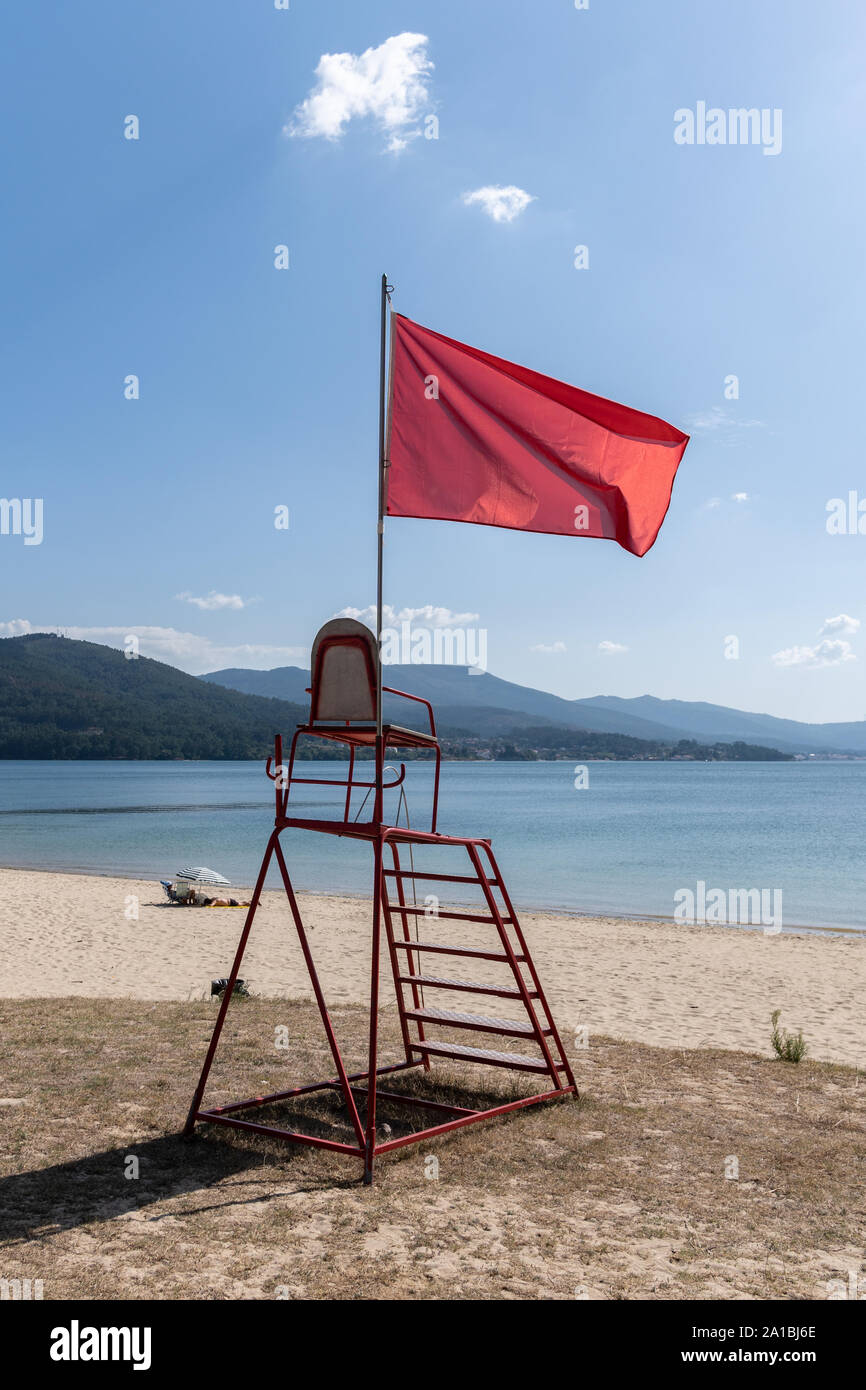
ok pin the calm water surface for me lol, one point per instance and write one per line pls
(625, 844)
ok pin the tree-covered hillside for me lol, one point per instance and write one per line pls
(66, 699)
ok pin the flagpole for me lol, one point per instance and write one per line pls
(380, 538)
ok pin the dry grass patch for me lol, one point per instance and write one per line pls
(623, 1195)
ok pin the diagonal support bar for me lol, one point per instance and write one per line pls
(320, 998)
(230, 987)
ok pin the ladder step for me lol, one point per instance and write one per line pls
(514, 1060)
(470, 986)
(440, 878)
(479, 1023)
(453, 950)
(449, 916)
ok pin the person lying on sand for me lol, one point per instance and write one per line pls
(185, 895)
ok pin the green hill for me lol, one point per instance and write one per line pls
(65, 699)
(61, 698)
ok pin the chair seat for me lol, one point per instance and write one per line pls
(364, 735)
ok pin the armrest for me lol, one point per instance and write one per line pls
(419, 699)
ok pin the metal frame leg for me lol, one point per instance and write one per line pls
(370, 1145)
(230, 987)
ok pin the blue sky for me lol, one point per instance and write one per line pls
(258, 386)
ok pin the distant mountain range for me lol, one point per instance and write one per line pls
(488, 706)
(61, 698)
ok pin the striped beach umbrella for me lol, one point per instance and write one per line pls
(201, 875)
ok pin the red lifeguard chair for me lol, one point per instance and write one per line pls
(345, 706)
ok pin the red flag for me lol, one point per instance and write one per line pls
(475, 438)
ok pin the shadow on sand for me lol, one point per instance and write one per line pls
(46, 1201)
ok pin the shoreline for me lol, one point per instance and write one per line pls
(658, 982)
(524, 908)
(514, 762)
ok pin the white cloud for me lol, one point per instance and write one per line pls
(843, 626)
(213, 601)
(549, 650)
(502, 203)
(713, 502)
(826, 653)
(388, 84)
(718, 419)
(186, 650)
(428, 616)
(611, 648)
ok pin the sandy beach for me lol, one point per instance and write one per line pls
(652, 982)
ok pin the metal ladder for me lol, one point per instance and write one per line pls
(508, 948)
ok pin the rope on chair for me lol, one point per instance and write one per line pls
(402, 803)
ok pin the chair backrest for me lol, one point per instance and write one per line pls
(345, 672)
